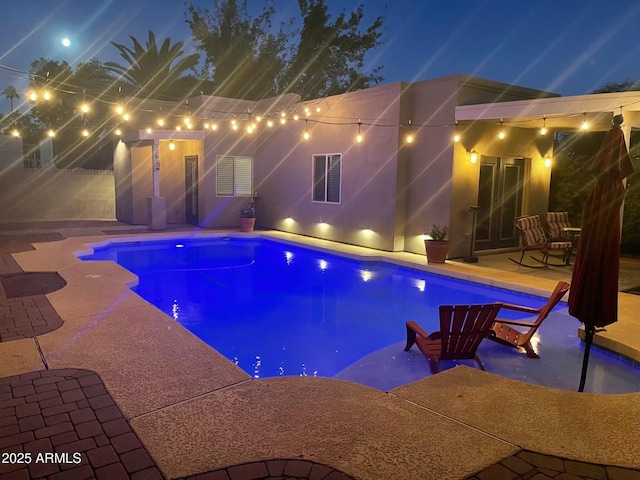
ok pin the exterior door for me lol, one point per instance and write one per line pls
(191, 189)
(500, 200)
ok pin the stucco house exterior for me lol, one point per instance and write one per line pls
(379, 190)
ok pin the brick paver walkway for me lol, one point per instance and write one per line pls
(62, 425)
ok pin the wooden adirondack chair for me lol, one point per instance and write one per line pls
(507, 335)
(462, 328)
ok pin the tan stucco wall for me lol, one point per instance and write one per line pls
(429, 187)
(391, 193)
(123, 183)
(367, 212)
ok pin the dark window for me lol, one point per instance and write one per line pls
(326, 178)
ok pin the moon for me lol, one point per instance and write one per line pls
(66, 42)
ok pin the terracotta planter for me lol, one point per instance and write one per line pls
(247, 224)
(436, 251)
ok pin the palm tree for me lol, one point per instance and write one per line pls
(10, 92)
(150, 69)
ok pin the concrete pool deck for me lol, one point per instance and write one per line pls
(196, 412)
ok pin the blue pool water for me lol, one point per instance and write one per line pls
(277, 309)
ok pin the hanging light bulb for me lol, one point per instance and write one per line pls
(33, 96)
(148, 130)
(126, 117)
(359, 137)
(85, 133)
(318, 107)
(214, 126)
(15, 132)
(160, 122)
(118, 132)
(547, 161)
(501, 135)
(269, 123)
(51, 133)
(543, 130)
(409, 137)
(46, 95)
(119, 109)
(172, 146)
(456, 135)
(585, 124)
(306, 135)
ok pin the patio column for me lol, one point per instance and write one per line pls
(156, 205)
(626, 130)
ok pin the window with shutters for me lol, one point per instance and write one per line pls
(234, 176)
(326, 177)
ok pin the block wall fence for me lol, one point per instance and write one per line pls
(49, 194)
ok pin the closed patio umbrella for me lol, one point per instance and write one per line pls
(593, 298)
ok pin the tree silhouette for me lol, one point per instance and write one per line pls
(242, 57)
(249, 58)
(330, 56)
(11, 93)
(150, 70)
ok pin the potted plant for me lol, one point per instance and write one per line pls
(248, 217)
(436, 244)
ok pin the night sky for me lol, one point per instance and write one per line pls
(568, 47)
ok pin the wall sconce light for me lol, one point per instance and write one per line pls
(585, 124)
(473, 156)
(547, 160)
(543, 130)
(501, 135)
(172, 146)
(359, 136)
(456, 135)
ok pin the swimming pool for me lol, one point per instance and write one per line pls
(276, 309)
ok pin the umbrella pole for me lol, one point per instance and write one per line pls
(588, 338)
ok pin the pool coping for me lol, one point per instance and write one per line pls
(172, 413)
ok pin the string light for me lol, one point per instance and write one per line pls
(15, 133)
(51, 133)
(118, 106)
(305, 135)
(409, 138)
